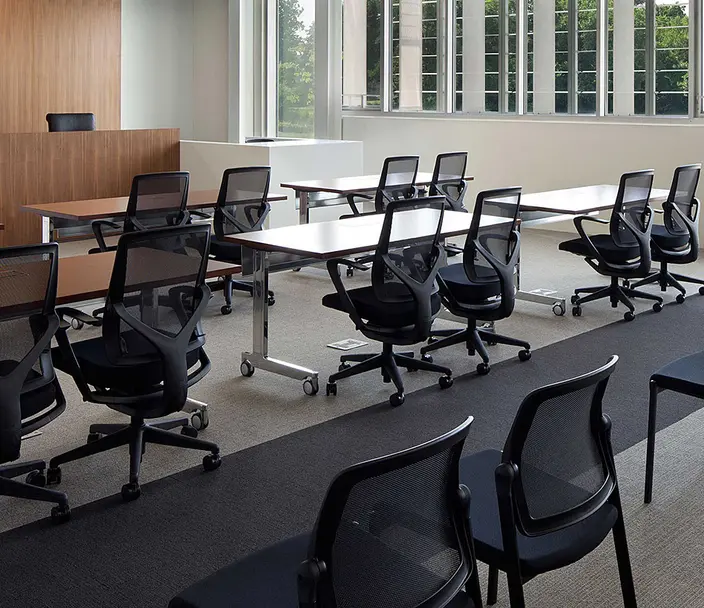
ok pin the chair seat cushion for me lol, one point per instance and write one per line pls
(376, 312)
(128, 379)
(269, 579)
(605, 245)
(537, 554)
(666, 240)
(685, 375)
(224, 250)
(464, 290)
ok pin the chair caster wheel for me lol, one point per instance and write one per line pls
(576, 311)
(77, 324)
(271, 300)
(558, 309)
(397, 399)
(701, 291)
(212, 462)
(350, 272)
(427, 358)
(343, 366)
(628, 316)
(310, 386)
(483, 369)
(53, 476)
(680, 298)
(60, 514)
(246, 369)
(657, 307)
(574, 299)
(331, 389)
(189, 431)
(226, 310)
(524, 355)
(36, 478)
(445, 382)
(130, 491)
(199, 421)
(93, 437)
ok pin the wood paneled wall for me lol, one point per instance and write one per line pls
(54, 167)
(59, 56)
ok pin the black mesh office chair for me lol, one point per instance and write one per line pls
(482, 287)
(393, 532)
(30, 395)
(624, 253)
(448, 179)
(676, 241)
(151, 339)
(551, 497)
(156, 200)
(242, 207)
(71, 122)
(399, 306)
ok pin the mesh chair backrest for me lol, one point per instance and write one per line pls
(28, 278)
(632, 208)
(448, 178)
(682, 193)
(242, 204)
(397, 180)
(154, 301)
(560, 445)
(392, 531)
(71, 122)
(157, 200)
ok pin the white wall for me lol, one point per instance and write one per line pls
(175, 66)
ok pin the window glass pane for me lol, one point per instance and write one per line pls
(586, 56)
(296, 68)
(361, 54)
(672, 57)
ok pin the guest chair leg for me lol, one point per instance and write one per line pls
(515, 590)
(492, 591)
(159, 436)
(457, 336)
(227, 292)
(650, 447)
(109, 442)
(649, 280)
(18, 489)
(9, 471)
(624, 562)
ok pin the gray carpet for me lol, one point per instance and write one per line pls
(189, 524)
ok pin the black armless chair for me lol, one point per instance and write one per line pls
(156, 200)
(392, 532)
(483, 286)
(151, 339)
(624, 253)
(448, 179)
(676, 241)
(71, 122)
(30, 395)
(399, 305)
(551, 497)
(242, 207)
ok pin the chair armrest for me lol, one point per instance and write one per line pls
(578, 221)
(73, 313)
(347, 304)
(199, 214)
(658, 211)
(352, 264)
(97, 226)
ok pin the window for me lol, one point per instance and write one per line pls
(296, 68)
(361, 53)
(586, 56)
(671, 57)
(562, 57)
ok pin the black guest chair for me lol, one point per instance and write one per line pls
(242, 207)
(624, 253)
(30, 395)
(676, 241)
(399, 305)
(71, 122)
(482, 287)
(448, 179)
(551, 497)
(393, 532)
(150, 341)
(156, 200)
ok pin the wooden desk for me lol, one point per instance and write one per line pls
(102, 208)
(341, 186)
(324, 241)
(86, 277)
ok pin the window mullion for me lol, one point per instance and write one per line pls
(385, 90)
(503, 56)
(602, 65)
(572, 56)
(521, 56)
(650, 57)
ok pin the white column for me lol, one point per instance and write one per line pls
(241, 72)
(473, 56)
(544, 57)
(328, 69)
(354, 53)
(410, 55)
(624, 56)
